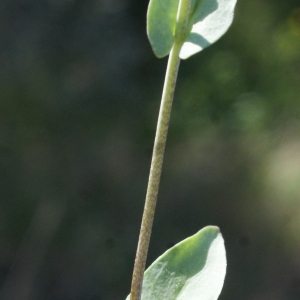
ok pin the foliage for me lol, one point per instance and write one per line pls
(193, 269)
(208, 20)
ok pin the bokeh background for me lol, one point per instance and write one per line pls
(79, 97)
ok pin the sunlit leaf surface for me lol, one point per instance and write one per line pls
(208, 21)
(211, 19)
(194, 269)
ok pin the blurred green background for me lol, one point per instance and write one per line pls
(79, 97)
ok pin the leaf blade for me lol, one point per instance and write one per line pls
(210, 20)
(193, 269)
(161, 22)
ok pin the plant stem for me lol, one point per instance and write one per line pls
(155, 171)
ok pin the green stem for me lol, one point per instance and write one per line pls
(155, 171)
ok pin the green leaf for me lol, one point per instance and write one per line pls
(194, 269)
(161, 23)
(209, 20)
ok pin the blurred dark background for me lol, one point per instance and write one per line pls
(79, 97)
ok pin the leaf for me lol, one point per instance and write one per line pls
(161, 22)
(194, 269)
(209, 20)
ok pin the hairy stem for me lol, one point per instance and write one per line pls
(155, 171)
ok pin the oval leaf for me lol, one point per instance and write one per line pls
(194, 269)
(209, 20)
(161, 22)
